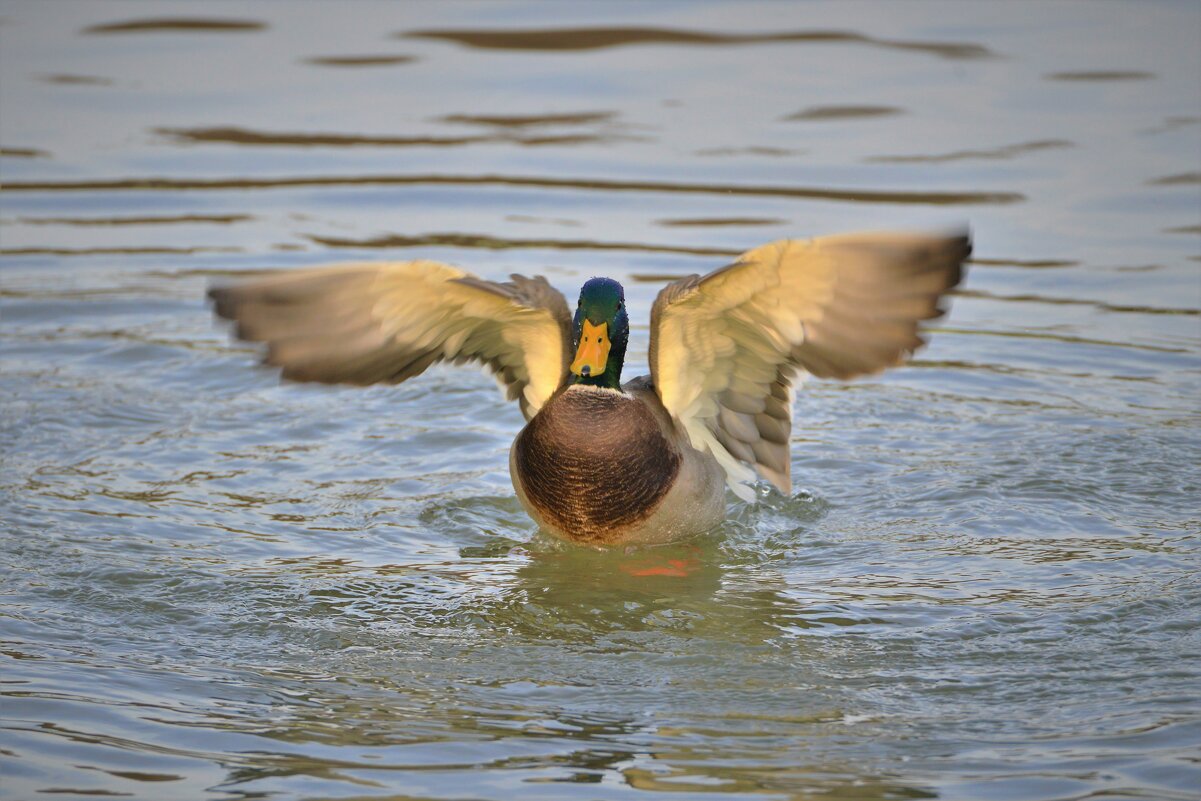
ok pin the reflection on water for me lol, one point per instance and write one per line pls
(177, 25)
(1004, 152)
(131, 251)
(359, 61)
(528, 120)
(64, 79)
(593, 38)
(748, 151)
(23, 153)
(1110, 307)
(844, 112)
(169, 219)
(1029, 264)
(241, 136)
(799, 192)
(1180, 179)
(1101, 75)
(709, 222)
(1172, 123)
(984, 587)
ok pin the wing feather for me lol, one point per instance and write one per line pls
(726, 347)
(388, 322)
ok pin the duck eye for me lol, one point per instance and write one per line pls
(600, 340)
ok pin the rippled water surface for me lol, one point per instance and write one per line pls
(985, 585)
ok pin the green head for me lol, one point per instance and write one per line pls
(601, 333)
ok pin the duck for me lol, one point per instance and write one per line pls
(600, 462)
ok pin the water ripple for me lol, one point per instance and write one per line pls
(1101, 76)
(595, 38)
(360, 61)
(23, 153)
(242, 136)
(983, 586)
(823, 113)
(1002, 153)
(166, 219)
(936, 198)
(178, 25)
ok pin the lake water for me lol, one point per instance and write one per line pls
(985, 586)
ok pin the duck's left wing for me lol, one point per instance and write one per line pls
(725, 348)
(387, 322)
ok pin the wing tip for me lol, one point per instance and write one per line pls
(780, 481)
(962, 244)
(221, 296)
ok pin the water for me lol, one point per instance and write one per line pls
(985, 585)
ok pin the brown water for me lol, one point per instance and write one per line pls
(986, 585)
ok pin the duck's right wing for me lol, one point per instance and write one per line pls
(725, 347)
(387, 322)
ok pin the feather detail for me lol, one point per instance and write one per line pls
(725, 348)
(388, 322)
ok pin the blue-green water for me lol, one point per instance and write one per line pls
(215, 586)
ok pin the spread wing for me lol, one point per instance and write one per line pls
(387, 322)
(725, 348)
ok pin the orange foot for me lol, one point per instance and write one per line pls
(673, 567)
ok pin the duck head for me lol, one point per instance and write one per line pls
(601, 333)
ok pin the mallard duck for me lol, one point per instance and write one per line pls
(600, 462)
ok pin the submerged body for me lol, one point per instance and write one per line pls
(600, 462)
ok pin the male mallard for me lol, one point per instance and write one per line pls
(601, 462)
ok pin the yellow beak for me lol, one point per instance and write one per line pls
(593, 353)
